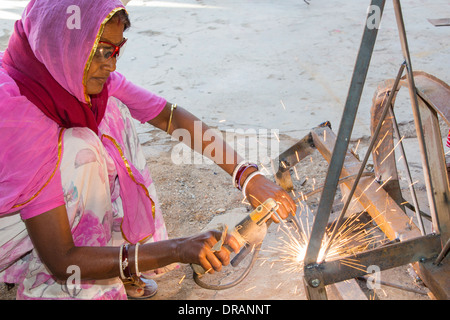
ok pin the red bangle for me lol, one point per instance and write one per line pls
(126, 262)
(241, 171)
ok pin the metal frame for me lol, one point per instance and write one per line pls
(414, 245)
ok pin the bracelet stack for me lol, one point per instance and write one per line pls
(125, 272)
(238, 173)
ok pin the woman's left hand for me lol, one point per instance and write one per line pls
(259, 189)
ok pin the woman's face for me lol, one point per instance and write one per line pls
(100, 69)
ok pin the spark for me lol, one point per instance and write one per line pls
(399, 141)
(413, 183)
(357, 145)
(264, 168)
(296, 174)
(387, 180)
(276, 136)
(381, 141)
(181, 280)
(353, 236)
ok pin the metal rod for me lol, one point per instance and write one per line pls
(408, 176)
(385, 257)
(416, 112)
(443, 253)
(387, 107)
(394, 285)
(345, 129)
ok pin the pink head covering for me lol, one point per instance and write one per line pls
(48, 57)
(62, 35)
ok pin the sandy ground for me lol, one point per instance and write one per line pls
(273, 69)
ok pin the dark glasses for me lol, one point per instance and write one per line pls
(106, 50)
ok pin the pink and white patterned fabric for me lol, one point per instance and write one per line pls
(92, 197)
(43, 165)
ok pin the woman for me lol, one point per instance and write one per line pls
(76, 197)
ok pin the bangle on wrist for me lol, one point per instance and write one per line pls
(124, 263)
(136, 263)
(252, 175)
(235, 171)
(172, 109)
(239, 171)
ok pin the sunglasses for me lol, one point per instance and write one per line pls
(104, 53)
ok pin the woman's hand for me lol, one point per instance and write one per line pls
(197, 249)
(259, 189)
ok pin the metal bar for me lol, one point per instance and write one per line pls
(395, 285)
(408, 173)
(386, 257)
(416, 112)
(345, 129)
(296, 153)
(443, 253)
(290, 158)
(386, 109)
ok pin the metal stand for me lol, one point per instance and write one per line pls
(414, 246)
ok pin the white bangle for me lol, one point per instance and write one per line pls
(235, 171)
(136, 259)
(122, 276)
(248, 180)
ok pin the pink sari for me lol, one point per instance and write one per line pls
(35, 143)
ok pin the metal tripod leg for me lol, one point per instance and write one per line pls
(415, 109)
(315, 288)
(408, 173)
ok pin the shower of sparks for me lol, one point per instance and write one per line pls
(353, 236)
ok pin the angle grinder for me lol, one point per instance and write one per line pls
(250, 233)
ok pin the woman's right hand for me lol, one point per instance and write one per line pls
(197, 249)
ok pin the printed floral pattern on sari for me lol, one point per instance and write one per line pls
(94, 208)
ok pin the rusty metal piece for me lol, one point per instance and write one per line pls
(290, 158)
(433, 96)
(384, 142)
(435, 92)
(388, 215)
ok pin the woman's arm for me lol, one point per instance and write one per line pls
(51, 236)
(258, 189)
